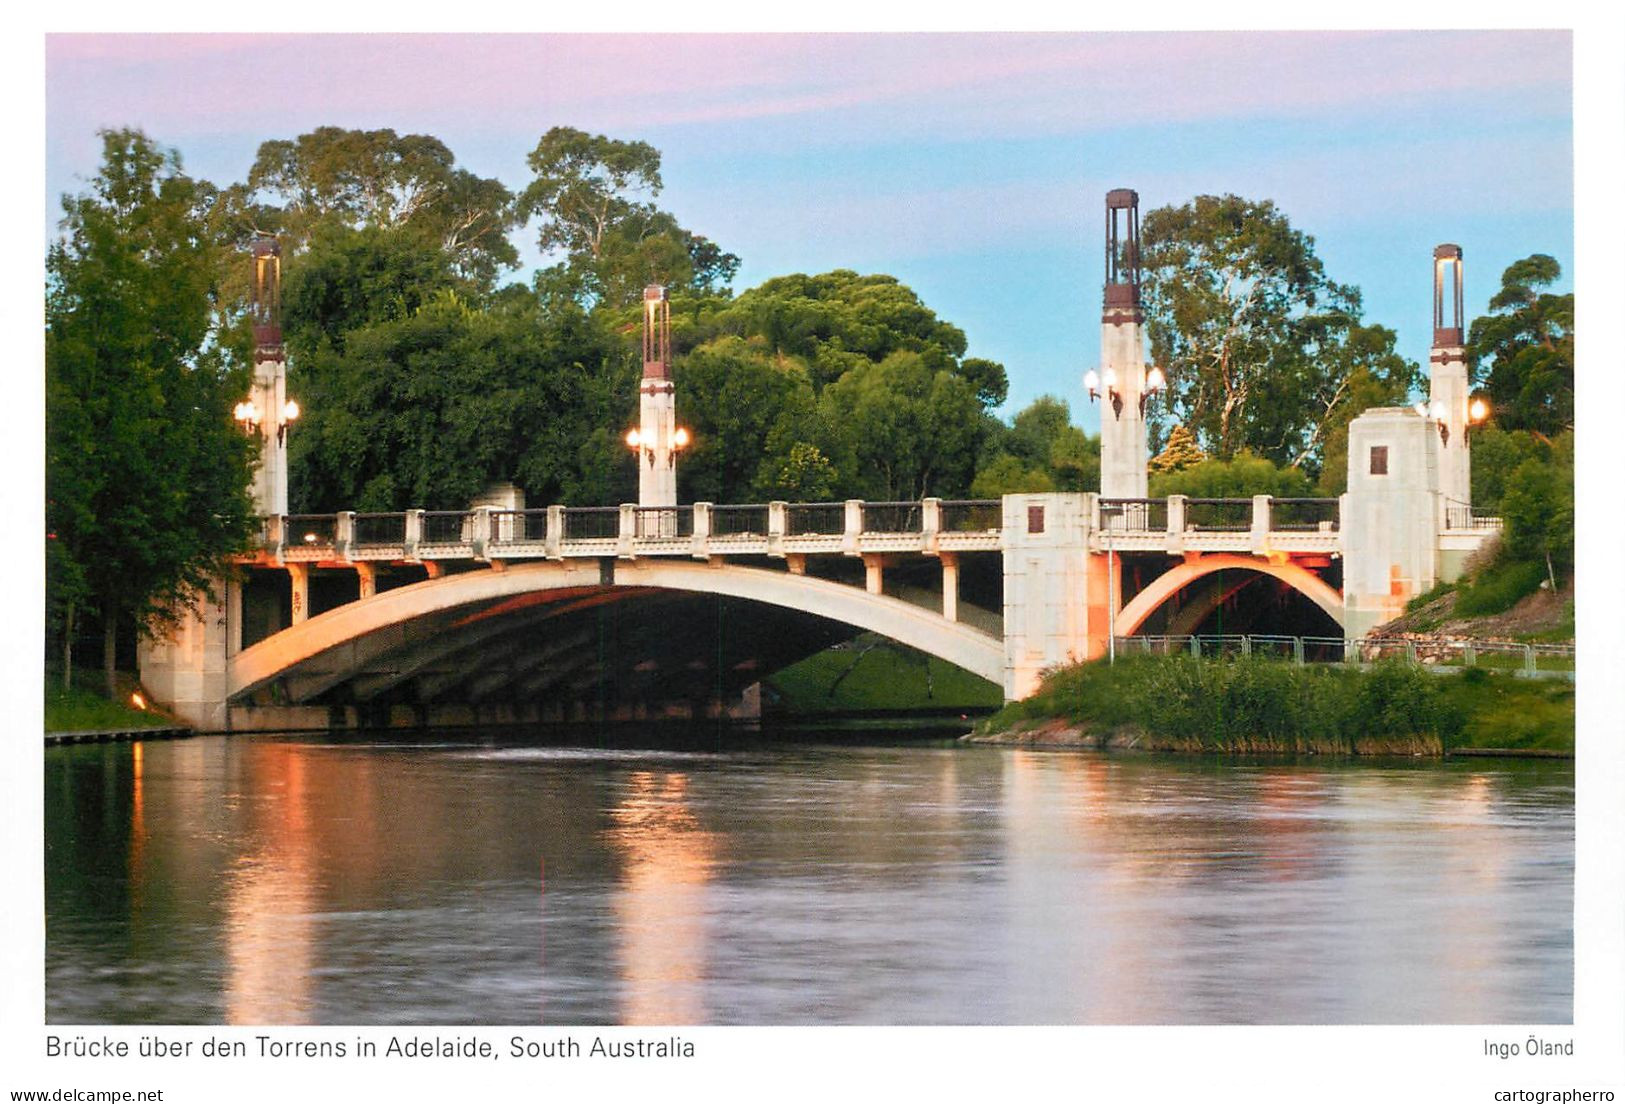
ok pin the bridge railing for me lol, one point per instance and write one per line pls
(815, 519)
(447, 527)
(313, 531)
(893, 517)
(380, 530)
(663, 523)
(972, 515)
(518, 526)
(1460, 516)
(1135, 514)
(594, 523)
(1322, 515)
(1222, 515)
(739, 521)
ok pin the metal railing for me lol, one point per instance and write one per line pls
(1314, 515)
(1222, 515)
(592, 523)
(972, 515)
(664, 522)
(447, 527)
(1135, 515)
(312, 531)
(893, 517)
(739, 521)
(1459, 516)
(515, 526)
(380, 529)
(1497, 654)
(815, 519)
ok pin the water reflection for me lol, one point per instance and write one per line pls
(277, 881)
(661, 909)
(270, 897)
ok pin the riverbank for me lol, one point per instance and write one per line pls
(77, 713)
(1263, 706)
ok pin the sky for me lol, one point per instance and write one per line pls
(972, 166)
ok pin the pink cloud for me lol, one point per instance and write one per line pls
(971, 84)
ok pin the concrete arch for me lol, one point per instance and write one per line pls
(975, 651)
(1166, 585)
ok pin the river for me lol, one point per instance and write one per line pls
(466, 881)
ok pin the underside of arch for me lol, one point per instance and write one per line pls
(1133, 615)
(398, 633)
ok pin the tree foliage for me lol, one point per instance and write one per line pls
(375, 179)
(429, 408)
(1242, 476)
(146, 476)
(593, 199)
(1523, 350)
(1262, 350)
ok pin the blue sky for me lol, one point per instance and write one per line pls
(971, 166)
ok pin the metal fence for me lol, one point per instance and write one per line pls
(1315, 515)
(739, 521)
(383, 529)
(1461, 516)
(1134, 514)
(447, 527)
(592, 523)
(664, 522)
(311, 530)
(972, 515)
(815, 519)
(518, 525)
(1225, 515)
(893, 517)
(1497, 654)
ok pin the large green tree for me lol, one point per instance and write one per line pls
(593, 200)
(146, 476)
(428, 408)
(378, 179)
(1523, 350)
(1261, 348)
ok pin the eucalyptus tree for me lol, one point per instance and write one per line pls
(146, 476)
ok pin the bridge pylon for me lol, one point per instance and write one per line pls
(1124, 382)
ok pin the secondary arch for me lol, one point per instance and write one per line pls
(1169, 583)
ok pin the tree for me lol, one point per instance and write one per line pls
(381, 180)
(429, 408)
(1242, 476)
(146, 476)
(593, 197)
(1538, 512)
(904, 430)
(1262, 350)
(1523, 350)
(1179, 453)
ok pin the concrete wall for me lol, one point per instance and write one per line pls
(1122, 434)
(1391, 518)
(1047, 593)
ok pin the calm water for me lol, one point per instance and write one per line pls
(254, 880)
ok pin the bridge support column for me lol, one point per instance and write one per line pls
(950, 585)
(1050, 599)
(874, 573)
(299, 579)
(186, 671)
(1390, 516)
(796, 562)
(368, 576)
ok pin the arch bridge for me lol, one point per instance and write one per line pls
(575, 612)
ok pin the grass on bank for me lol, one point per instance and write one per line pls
(871, 673)
(1260, 705)
(81, 708)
